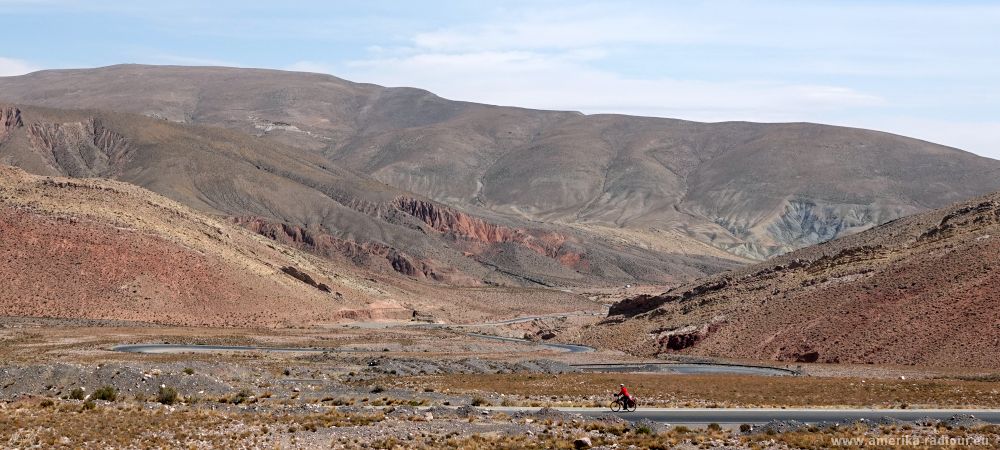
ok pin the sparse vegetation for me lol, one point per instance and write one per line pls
(243, 396)
(167, 395)
(77, 394)
(106, 393)
(136, 427)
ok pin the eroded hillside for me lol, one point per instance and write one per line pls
(107, 250)
(920, 290)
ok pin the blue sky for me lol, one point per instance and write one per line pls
(925, 69)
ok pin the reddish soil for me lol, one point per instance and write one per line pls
(921, 290)
(92, 248)
(105, 250)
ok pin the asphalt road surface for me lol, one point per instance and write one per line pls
(685, 368)
(731, 416)
(188, 348)
(568, 347)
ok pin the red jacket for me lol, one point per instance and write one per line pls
(624, 392)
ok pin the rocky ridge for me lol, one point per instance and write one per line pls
(919, 290)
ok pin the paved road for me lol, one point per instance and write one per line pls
(188, 348)
(568, 347)
(730, 416)
(686, 368)
(524, 319)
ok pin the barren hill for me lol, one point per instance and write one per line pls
(924, 290)
(303, 200)
(754, 190)
(101, 249)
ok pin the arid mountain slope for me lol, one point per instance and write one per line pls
(921, 290)
(754, 190)
(302, 199)
(101, 249)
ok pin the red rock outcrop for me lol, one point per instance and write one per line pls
(476, 230)
(448, 220)
(324, 244)
(305, 278)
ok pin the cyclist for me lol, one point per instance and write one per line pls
(623, 392)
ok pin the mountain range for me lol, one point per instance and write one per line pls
(751, 190)
(402, 182)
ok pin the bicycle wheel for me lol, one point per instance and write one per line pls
(632, 406)
(616, 406)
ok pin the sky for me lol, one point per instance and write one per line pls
(924, 69)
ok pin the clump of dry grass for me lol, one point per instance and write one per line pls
(130, 425)
(561, 436)
(167, 395)
(860, 437)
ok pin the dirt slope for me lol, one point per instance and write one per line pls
(920, 290)
(754, 190)
(108, 250)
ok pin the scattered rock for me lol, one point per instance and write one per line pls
(963, 420)
(781, 426)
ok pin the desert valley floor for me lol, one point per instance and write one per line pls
(411, 384)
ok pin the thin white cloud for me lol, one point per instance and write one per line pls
(566, 27)
(11, 67)
(561, 81)
(533, 80)
(980, 137)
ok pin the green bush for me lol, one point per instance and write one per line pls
(167, 395)
(77, 394)
(479, 401)
(188, 371)
(745, 428)
(106, 393)
(714, 426)
(242, 396)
